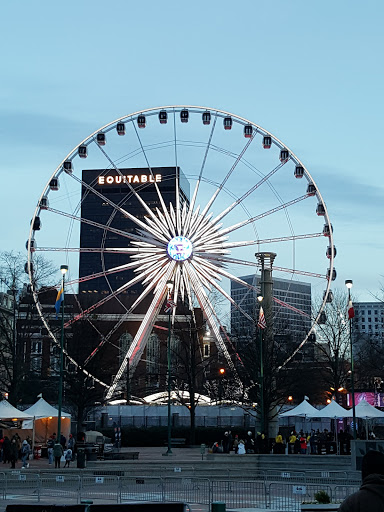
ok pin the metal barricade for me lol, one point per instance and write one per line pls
(100, 487)
(325, 476)
(273, 475)
(18, 483)
(252, 474)
(66, 486)
(2, 484)
(141, 488)
(340, 492)
(289, 497)
(239, 494)
(188, 489)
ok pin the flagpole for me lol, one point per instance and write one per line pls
(348, 284)
(64, 270)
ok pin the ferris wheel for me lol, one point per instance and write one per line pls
(183, 195)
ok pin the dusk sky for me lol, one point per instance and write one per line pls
(309, 72)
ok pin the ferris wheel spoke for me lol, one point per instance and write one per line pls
(248, 193)
(169, 223)
(208, 309)
(221, 186)
(138, 344)
(194, 196)
(132, 189)
(177, 179)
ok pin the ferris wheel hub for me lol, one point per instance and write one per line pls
(179, 248)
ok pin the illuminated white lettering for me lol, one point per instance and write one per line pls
(144, 178)
(130, 178)
(136, 179)
(101, 180)
(109, 179)
(118, 179)
(151, 179)
(158, 177)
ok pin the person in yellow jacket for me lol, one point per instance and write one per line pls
(291, 443)
(279, 445)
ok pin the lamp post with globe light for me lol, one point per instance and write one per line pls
(349, 284)
(64, 270)
(169, 449)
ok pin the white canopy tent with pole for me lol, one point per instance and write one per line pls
(303, 410)
(10, 413)
(46, 420)
(333, 411)
(366, 411)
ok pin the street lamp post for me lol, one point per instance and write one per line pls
(169, 430)
(260, 299)
(64, 270)
(349, 284)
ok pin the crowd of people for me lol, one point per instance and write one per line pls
(11, 450)
(58, 448)
(315, 442)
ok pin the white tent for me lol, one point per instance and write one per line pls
(8, 412)
(332, 410)
(303, 410)
(366, 411)
(46, 421)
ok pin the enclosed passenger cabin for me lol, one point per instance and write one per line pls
(299, 171)
(327, 231)
(32, 245)
(82, 151)
(184, 116)
(322, 318)
(329, 252)
(54, 184)
(284, 155)
(329, 296)
(267, 142)
(120, 128)
(311, 189)
(101, 139)
(227, 123)
(36, 224)
(44, 203)
(206, 118)
(334, 274)
(163, 117)
(248, 130)
(67, 166)
(141, 123)
(320, 210)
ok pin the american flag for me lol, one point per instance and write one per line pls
(261, 323)
(169, 306)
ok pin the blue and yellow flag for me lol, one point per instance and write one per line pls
(59, 300)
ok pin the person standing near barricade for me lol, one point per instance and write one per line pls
(68, 457)
(14, 453)
(25, 451)
(291, 443)
(370, 497)
(50, 445)
(58, 452)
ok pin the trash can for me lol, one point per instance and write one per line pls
(218, 506)
(81, 459)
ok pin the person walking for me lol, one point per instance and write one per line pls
(25, 451)
(58, 452)
(50, 445)
(68, 457)
(370, 497)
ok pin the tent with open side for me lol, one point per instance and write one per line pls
(366, 411)
(46, 421)
(9, 413)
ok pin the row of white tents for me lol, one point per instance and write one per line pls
(333, 410)
(39, 420)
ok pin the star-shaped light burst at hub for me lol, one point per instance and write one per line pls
(185, 246)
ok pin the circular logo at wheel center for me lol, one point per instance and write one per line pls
(179, 248)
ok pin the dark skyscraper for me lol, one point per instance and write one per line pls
(113, 186)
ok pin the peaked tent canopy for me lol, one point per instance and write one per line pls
(46, 421)
(42, 409)
(8, 412)
(303, 410)
(333, 410)
(366, 411)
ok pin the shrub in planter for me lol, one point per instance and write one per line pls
(322, 497)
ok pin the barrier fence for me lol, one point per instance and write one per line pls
(277, 490)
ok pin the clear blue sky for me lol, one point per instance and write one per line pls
(309, 72)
